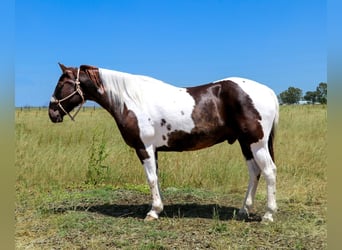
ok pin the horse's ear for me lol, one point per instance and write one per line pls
(63, 68)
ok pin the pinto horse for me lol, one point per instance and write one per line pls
(154, 116)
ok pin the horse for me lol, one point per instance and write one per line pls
(154, 116)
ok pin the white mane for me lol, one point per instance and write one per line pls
(123, 87)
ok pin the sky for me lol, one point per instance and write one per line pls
(279, 43)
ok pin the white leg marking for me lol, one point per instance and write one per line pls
(268, 169)
(152, 178)
(248, 203)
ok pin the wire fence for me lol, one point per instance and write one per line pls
(32, 108)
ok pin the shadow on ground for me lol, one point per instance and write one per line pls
(191, 210)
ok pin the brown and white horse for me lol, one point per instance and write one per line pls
(155, 116)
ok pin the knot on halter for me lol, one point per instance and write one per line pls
(77, 91)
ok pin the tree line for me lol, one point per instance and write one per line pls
(294, 95)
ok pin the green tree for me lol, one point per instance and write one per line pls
(291, 95)
(311, 96)
(322, 93)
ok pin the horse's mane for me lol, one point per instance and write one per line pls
(121, 87)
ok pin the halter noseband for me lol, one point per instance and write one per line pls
(78, 90)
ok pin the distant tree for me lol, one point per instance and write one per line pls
(291, 95)
(322, 92)
(311, 96)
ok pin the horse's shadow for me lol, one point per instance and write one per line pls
(189, 210)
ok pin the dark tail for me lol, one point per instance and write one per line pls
(270, 142)
(273, 130)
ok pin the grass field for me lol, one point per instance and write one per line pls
(78, 186)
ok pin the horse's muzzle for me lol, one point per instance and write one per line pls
(55, 115)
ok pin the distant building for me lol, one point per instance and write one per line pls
(303, 102)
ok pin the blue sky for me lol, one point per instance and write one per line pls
(279, 43)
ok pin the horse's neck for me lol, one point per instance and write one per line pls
(120, 88)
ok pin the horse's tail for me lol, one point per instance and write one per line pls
(274, 127)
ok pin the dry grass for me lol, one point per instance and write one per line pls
(53, 201)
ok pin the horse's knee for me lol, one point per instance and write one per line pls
(270, 175)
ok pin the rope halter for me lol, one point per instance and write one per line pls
(77, 91)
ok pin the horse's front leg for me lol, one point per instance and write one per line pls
(148, 159)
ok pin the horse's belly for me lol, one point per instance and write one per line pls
(182, 141)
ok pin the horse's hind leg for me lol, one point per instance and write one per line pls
(264, 161)
(254, 175)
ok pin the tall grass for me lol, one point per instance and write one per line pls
(301, 148)
(61, 167)
(58, 155)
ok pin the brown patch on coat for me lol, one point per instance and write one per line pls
(162, 122)
(223, 111)
(129, 129)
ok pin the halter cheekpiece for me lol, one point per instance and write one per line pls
(77, 90)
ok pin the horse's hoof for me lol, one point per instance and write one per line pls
(150, 218)
(242, 214)
(267, 218)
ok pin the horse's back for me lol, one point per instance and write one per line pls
(258, 92)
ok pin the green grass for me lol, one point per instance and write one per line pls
(79, 186)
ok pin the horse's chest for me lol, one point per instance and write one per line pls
(164, 112)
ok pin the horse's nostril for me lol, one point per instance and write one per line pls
(59, 118)
(55, 116)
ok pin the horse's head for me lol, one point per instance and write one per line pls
(67, 94)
